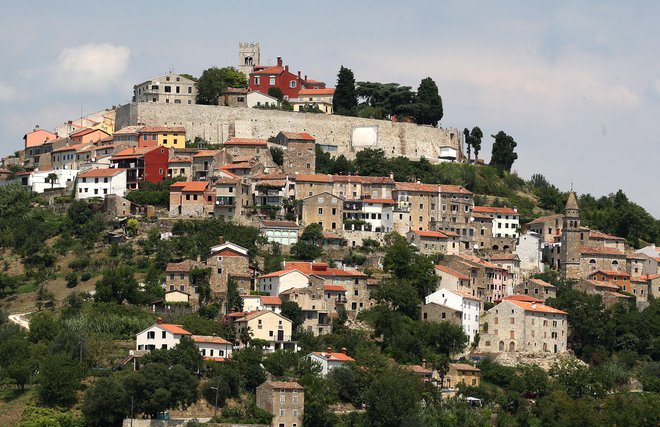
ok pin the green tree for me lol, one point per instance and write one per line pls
(43, 327)
(475, 137)
(185, 354)
(214, 81)
(52, 178)
(344, 102)
(308, 246)
(372, 162)
(292, 311)
(71, 279)
(276, 92)
(392, 398)
(503, 154)
(273, 260)
(428, 105)
(234, 299)
(106, 403)
(468, 142)
(405, 263)
(59, 380)
(386, 98)
(119, 285)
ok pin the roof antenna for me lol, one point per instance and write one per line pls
(571, 185)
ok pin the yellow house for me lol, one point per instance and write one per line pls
(321, 98)
(170, 137)
(461, 373)
(267, 326)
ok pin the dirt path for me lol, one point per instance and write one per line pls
(18, 319)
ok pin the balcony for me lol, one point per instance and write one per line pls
(225, 201)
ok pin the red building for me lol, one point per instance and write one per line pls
(264, 77)
(142, 164)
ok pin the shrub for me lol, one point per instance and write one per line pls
(85, 276)
(79, 264)
(71, 280)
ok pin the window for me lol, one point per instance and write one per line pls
(271, 81)
(163, 334)
(168, 89)
(293, 84)
(189, 90)
(151, 335)
(257, 80)
(320, 211)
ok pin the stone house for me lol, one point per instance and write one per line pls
(524, 327)
(536, 288)
(282, 232)
(227, 260)
(455, 211)
(171, 88)
(530, 253)
(348, 187)
(249, 147)
(593, 258)
(434, 242)
(66, 157)
(191, 199)
(598, 238)
(232, 196)
(179, 167)
(270, 192)
(637, 264)
(327, 360)
(324, 209)
(204, 162)
(619, 278)
(284, 400)
(420, 201)
(608, 291)
(546, 227)
(654, 284)
(268, 326)
(490, 281)
(453, 280)
(178, 277)
(234, 97)
(639, 287)
(299, 153)
(434, 312)
(315, 306)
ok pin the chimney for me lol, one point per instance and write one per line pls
(424, 363)
(286, 68)
(305, 77)
(199, 258)
(159, 320)
(328, 350)
(533, 306)
(279, 61)
(344, 351)
(299, 74)
(221, 239)
(392, 175)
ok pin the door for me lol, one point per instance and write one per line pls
(280, 335)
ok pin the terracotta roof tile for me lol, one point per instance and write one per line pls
(189, 186)
(600, 250)
(418, 187)
(319, 92)
(428, 233)
(159, 129)
(98, 173)
(610, 273)
(546, 218)
(299, 135)
(283, 224)
(540, 282)
(208, 339)
(266, 300)
(246, 142)
(464, 367)
(334, 288)
(452, 272)
(285, 385)
(536, 307)
(454, 189)
(175, 329)
(207, 153)
(599, 235)
(335, 357)
(493, 209)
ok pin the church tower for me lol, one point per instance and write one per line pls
(570, 240)
(249, 55)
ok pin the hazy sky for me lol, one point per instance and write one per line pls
(577, 84)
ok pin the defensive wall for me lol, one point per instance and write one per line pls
(336, 134)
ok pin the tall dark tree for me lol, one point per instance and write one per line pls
(118, 284)
(344, 101)
(214, 81)
(106, 403)
(276, 92)
(468, 142)
(475, 138)
(428, 106)
(234, 299)
(292, 311)
(503, 154)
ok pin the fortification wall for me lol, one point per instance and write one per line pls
(216, 124)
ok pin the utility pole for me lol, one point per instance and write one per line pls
(215, 410)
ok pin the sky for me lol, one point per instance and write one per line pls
(576, 83)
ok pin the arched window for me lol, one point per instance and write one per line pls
(495, 247)
(615, 265)
(501, 345)
(512, 347)
(506, 247)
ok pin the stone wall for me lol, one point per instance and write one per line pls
(216, 124)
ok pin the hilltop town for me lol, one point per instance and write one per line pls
(279, 253)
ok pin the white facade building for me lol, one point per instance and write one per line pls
(169, 89)
(282, 232)
(279, 281)
(213, 348)
(379, 213)
(328, 361)
(160, 336)
(261, 303)
(39, 183)
(529, 251)
(468, 305)
(506, 221)
(100, 183)
(258, 99)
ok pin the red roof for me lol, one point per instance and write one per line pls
(72, 147)
(334, 288)
(335, 357)
(266, 300)
(595, 234)
(320, 269)
(155, 129)
(303, 177)
(610, 273)
(415, 186)
(282, 224)
(269, 70)
(175, 329)
(207, 153)
(98, 173)
(189, 186)
(428, 233)
(86, 132)
(208, 339)
(536, 307)
(493, 209)
(279, 273)
(525, 298)
(135, 151)
(598, 283)
(452, 272)
(311, 92)
(247, 142)
(541, 283)
(299, 135)
(454, 189)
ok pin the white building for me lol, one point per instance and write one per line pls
(100, 183)
(506, 221)
(282, 232)
(327, 360)
(468, 305)
(212, 347)
(379, 213)
(448, 154)
(39, 183)
(160, 336)
(169, 89)
(258, 99)
(529, 251)
(279, 281)
(261, 303)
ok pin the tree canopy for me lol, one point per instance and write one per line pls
(214, 81)
(503, 154)
(344, 101)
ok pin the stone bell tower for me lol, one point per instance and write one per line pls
(249, 55)
(570, 240)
